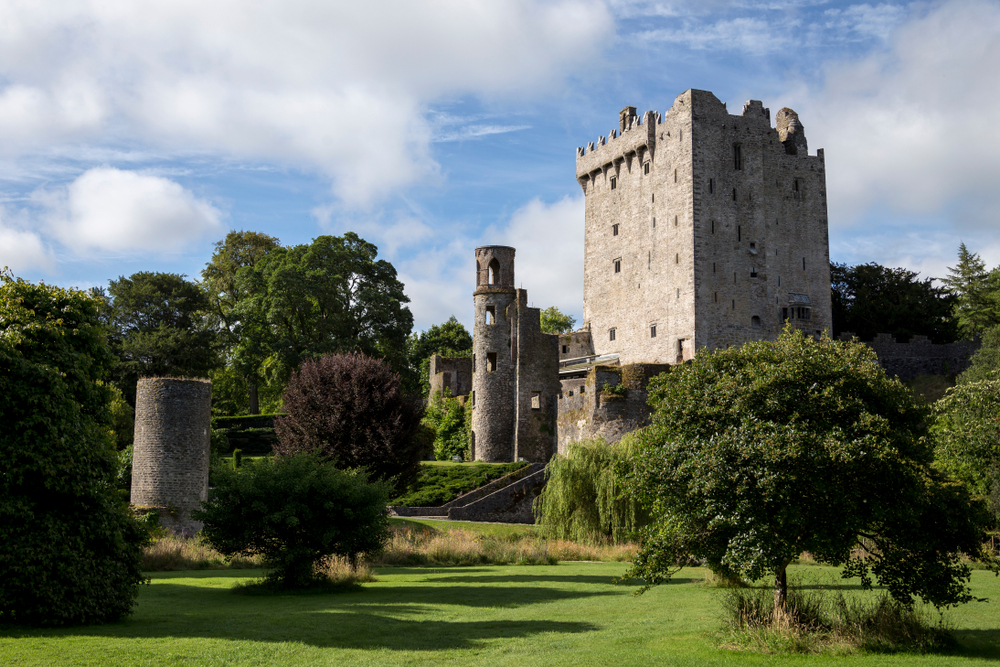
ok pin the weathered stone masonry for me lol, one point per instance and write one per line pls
(170, 457)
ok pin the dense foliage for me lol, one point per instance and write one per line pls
(554, 321)
(295, 511)
(70, 551)
(452, 424)
(869, 299)
(351, 409)
(305, 301)
(158, 328)
(583, 499)
(977, 293)
(985, 362)
(756, 454)
(439, 484)
(449, 339)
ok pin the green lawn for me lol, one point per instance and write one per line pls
(568, 614)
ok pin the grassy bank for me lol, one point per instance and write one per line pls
(568, 614)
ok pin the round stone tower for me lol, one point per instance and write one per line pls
(173, 421)
(493, 349)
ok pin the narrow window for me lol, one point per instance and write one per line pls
(654, 222)
(618, 265)
(755, 322)
(678, 292)
(473, 399)
(675, 221)
(491, 362)
(652, 331)
(491, 314)
(753, 271)
(675, 175)
(614, 182)
(803, 263)
(734, 304)
(713, 267)
(649, 259)
(611, 334)
(479, 273)
(653, 198)
(494, 270)
(536, 400)
(677, 258)
(715, 297)
(645, 168)
(753, 246)
(784, 314)
(680, 350)
(583, 389)
(737, 157)
(565, 349)
(807, 313)
(614, 230)
(739, 233)
(734, 194)
(713, 226)
(779, 281)
(734, 277)
(711, 186)
(570, 393)
(473, 363)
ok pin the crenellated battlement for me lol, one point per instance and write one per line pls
(635, 136)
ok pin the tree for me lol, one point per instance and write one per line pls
(295, 511)
(985, 363)
(977, 293)
(158, 328)
(756, 454)
(555, 321)
(583, 499)
(70, 552)
(350, 408)
(449, 339)
(330, 296)
(870, 299)
(451, 422)
(237, 251)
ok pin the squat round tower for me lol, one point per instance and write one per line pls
(493, 349)
(173, 420)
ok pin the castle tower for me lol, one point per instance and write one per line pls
(173, 420)
(494, 356)
(702, 229)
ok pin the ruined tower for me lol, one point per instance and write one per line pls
(703, 229)
(515, 381)
(173, 420)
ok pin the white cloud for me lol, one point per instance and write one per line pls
(22, 250)
(340, 88)
(114, 210)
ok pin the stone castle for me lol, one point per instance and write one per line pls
(703, 229)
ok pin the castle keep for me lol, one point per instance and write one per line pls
(702, 229)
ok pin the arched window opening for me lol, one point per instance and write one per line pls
(479, 273)
(755, 322)
(494, 269)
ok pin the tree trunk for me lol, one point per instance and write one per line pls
(254, 403)
(781, 588)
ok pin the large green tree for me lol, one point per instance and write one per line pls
(759, 453)
(329, 296)
(159, 327)
(869, 299)
(977, 293)
(238, 250)
(70, 551)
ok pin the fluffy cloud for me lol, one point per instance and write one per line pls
(912, 129)
(114, 210)
(22, 250)
(339, 88)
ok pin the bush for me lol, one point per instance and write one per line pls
(452, 426)
(349, 408)
(294, 511)
(69, 549)
(439, 484)
(582, 499)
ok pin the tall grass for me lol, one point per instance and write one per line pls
(824, 621)
(172, 552)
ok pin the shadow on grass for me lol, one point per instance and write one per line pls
(404, 618)
(556, 578)
(984, 644)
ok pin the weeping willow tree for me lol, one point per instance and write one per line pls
(583, 500)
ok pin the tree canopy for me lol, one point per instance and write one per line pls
(977, 293)
(869, 299)
(70, 552)
(449, 339)
(158, 327)
(756, 454)
(555, 321)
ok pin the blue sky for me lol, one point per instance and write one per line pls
(133, 137)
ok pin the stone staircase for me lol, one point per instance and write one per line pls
(504, 500)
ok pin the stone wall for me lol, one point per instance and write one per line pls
(453, 374)
(919, 356)
(170, 459)
(576, 345)
(609, 403)
(702, 229)
(537, 385)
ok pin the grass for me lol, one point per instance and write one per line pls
(552, 615)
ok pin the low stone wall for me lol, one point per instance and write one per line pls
(919, 356)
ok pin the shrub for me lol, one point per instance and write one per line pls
(294, 511)
(451, 424)
(69, 549)
(582, 499)
(349, 407)
(439, 484)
